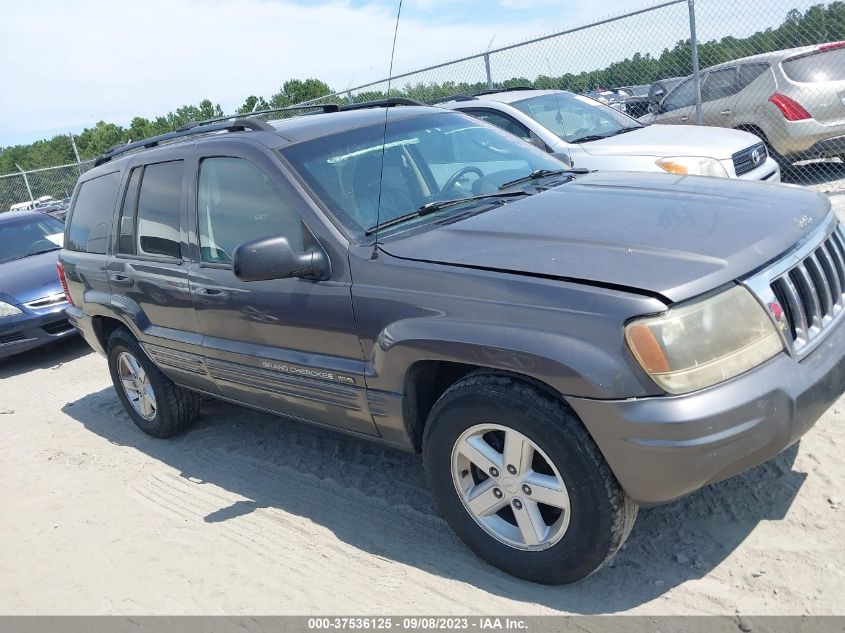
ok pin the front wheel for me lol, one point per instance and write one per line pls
(518, 478)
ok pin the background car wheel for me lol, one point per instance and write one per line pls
(521, 482)
(151, 399)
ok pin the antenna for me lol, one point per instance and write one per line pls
(384, 136)
(560, 116)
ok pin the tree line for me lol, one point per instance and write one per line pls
(819, 23)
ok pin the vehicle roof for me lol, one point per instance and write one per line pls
(774, 56)
(511, 96)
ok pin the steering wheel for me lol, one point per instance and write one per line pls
(456, 177)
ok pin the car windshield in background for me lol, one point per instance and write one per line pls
(824, 65)
(574, 118)
(28, 235)
(432, 158)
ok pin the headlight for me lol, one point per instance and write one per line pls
(7, 309)
(693, 165)
(699, 344)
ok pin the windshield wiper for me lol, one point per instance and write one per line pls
(598, 137)
(438, 205)
(537, 174)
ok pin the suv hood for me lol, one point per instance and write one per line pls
(675, 236)
(30, 278)
(674, 140)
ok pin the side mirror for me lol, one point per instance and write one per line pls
(274, 258)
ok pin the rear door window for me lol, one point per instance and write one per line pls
(126, 237)
(720, 84)
(817, 67)
(159, 202)
(93, 214)
(500, 120)
(750, 72)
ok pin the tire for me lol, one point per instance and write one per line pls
(174, 408)
(600, 515)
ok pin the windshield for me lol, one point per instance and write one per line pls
(29, 235)
(427, 159)
(573, 117)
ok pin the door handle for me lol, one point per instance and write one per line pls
(211, 294)
(725, 112)
(684, 119)
(119, 279)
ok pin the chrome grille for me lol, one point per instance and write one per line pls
(744, 161)
(811, 292)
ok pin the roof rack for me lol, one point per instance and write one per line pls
(328, 107)
(191, 129)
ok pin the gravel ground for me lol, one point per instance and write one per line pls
(247, 513)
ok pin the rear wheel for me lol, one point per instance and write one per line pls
(156, 405)
(521, 482)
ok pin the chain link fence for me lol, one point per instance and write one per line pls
(27, 187)
(680, 62)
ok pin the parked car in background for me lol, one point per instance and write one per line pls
(642, 97)
(32, 301)
(589, 134)
(561, 348)
(793, 99)
(56, 208)
(613, 98)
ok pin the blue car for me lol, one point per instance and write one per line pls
(32, 301)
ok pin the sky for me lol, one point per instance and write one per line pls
(64, 65)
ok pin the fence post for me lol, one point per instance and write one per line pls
(76, 153)
(350, 97)
(489, 74)
(696, 75)
(26, 182)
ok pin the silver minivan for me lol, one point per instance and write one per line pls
(793, 99)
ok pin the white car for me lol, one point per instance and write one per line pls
(586, 133)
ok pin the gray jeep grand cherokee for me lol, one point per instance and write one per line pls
(562, 348)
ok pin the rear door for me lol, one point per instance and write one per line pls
(149, 271)
(287, 345)
(718, 95)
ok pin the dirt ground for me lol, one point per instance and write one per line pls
(247, 513)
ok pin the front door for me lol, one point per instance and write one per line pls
(287, 345)
(678, 107)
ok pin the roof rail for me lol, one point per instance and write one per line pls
(458, 97)
(511, 89)
(481, 93)
(381, 103)
(329, 107)
(191, 129)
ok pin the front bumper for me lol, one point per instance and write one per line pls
(662, 448)
(30, 331)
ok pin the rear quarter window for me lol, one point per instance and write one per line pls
(817, 67)
(92, 216)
